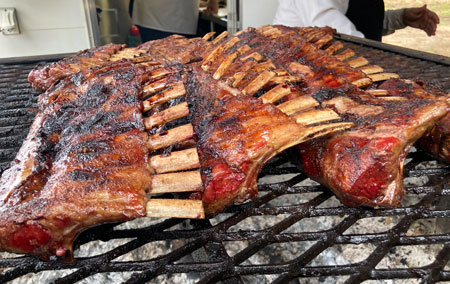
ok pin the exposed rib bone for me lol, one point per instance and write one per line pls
(285, 79)
(264, 66)
(298, 104)
(175, 161)
(273, 33)
(276, 94)
(378, 92)
(281, 72)
(219, 49)
(302, 69)
(358, 62)
(225, 65)
(316, 116)
(258, 82)
(261, 29)
(159, 73)
(243, 49)
(176, 182)
(324, 40)
(311, 35)
(240, 75)
(394, 99)
(175, 208)
(149, 63)
(171, 92)
(154, 87)
(319, 130)
(364, 82)
(126, 53)
(335, 47)
(167, 115)
(255, 55)
(144, 59)
(346, 54)
(208, 36)
(307, 30)
(170, 137)
(383, 76)
(269, 31)
(220, 37)
(371, 69)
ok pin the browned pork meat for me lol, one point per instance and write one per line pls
(437, 140)
(84, 162)
(237, 134)
(364, 166)
(171, 50)
(43, 77)
(239, 102)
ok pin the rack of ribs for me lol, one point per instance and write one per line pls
(171, 50)
(437, 141)
(72, 171)
(362, 165)
(239, 133)
(110, 138)
(119, 126)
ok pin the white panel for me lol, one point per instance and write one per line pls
(256, 13)
(44, 42)
(47, 14)
(47, 27)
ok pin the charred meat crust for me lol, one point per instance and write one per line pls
(87, 164)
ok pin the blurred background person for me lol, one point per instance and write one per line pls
(362, 18)
(161, 18)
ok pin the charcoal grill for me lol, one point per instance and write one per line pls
(296, 231)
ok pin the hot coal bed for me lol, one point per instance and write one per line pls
(295, 231)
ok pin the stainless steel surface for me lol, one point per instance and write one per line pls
(92, 22)
(114, 20)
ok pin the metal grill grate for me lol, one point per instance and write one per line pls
(17, 109)
(295, 231)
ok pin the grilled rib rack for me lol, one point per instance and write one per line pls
(295, 231)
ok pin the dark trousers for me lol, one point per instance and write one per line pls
(367, 16)
(151, 34)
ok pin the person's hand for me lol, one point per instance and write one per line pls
(212, 7)
(421, 18)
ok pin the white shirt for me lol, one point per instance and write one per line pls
(175, 16)
(303, 13)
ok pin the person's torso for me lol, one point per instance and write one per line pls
(355, 17)
(177, 16)
(296, 13)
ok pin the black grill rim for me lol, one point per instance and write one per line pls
(33, 59)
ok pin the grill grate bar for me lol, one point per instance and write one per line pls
(215, 251)
(259, 244)
(315, 250)
(394, 235)
(149, 274)
(438, 265)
